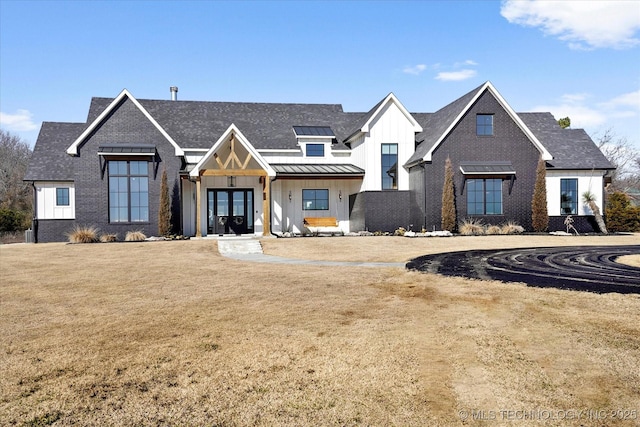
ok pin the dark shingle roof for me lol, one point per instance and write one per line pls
(435, 124)
(50, 161)
(570, 148)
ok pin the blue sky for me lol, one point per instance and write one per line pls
(574, 58)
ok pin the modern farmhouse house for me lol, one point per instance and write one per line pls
(260, 169)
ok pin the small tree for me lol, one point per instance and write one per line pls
(539, 213)
(589, 199)
(164, 213)
(448, 198)
(564, 122)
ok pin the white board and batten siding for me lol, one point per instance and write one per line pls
(587, 181)
(390, 126)
(288, 215)
(46, 201)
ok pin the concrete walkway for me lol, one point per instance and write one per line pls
(250, 249)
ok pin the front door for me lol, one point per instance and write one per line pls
(229, 211)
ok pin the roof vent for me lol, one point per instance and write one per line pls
(174, 93)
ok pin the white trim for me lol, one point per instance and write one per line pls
(196, 149)
(73, 148)
(108, 154)
(195, 172)
(278, 150)
(543, 151)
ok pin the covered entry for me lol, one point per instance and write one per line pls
(229, 211)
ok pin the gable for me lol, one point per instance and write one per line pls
(232, 154)
(379, 110)
(105, 115)
(449, 117)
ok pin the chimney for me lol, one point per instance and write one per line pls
(174, 93)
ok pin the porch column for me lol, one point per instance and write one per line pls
(198, 206)
(266, 205)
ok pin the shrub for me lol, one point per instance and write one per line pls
(493, 229)
(448, 198)
(164, 212)
(539, 214)
(12, 220)
(110, 237)
(81, 234)
(621, 216)
(511, 227)
(134, 236)
(471, 227)
(400, 231)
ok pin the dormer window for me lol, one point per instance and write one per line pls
(314, 139)
(315, 150)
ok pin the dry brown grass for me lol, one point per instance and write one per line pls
(170, 333)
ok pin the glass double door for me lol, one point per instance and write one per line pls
(229, 211)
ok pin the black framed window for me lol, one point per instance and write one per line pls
(484, 124)
(62, 196)
(484, 196)
(569, 196)
(389, 166)
(317, 200)
(128, 191)
(315, 150)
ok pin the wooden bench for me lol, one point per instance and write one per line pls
(324, 225)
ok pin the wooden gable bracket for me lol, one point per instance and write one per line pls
(233, 158)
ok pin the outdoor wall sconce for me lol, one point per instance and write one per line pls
(289, 195)
(340, 195)
(231, 181)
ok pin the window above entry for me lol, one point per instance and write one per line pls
(315, 150)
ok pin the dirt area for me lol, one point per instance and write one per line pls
(171, 333)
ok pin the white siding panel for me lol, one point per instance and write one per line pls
(587, 181)
(46, 201)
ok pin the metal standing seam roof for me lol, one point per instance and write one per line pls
(487, 168)
(317, 169)
(313, 131)
(132, 149)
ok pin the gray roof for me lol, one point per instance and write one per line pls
(50, 161)
(196, 124)
(317, 169)
(570, 148)
(435, 124)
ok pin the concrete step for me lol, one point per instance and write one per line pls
(239, 246)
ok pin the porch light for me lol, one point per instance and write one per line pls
(340, 195)
(231, 181)
(289, 195)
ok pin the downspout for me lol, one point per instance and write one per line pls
(34, 220)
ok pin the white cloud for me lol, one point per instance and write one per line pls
(621, 112)
(22, 121)
(582, 24)
(415, 70)
(452, 76)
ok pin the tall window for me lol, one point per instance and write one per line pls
(484, 196)
(62, 196)
(315, 200)
(389, 166)
(128, 191)
(315, 150)
(484, 124)
(569, 196)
